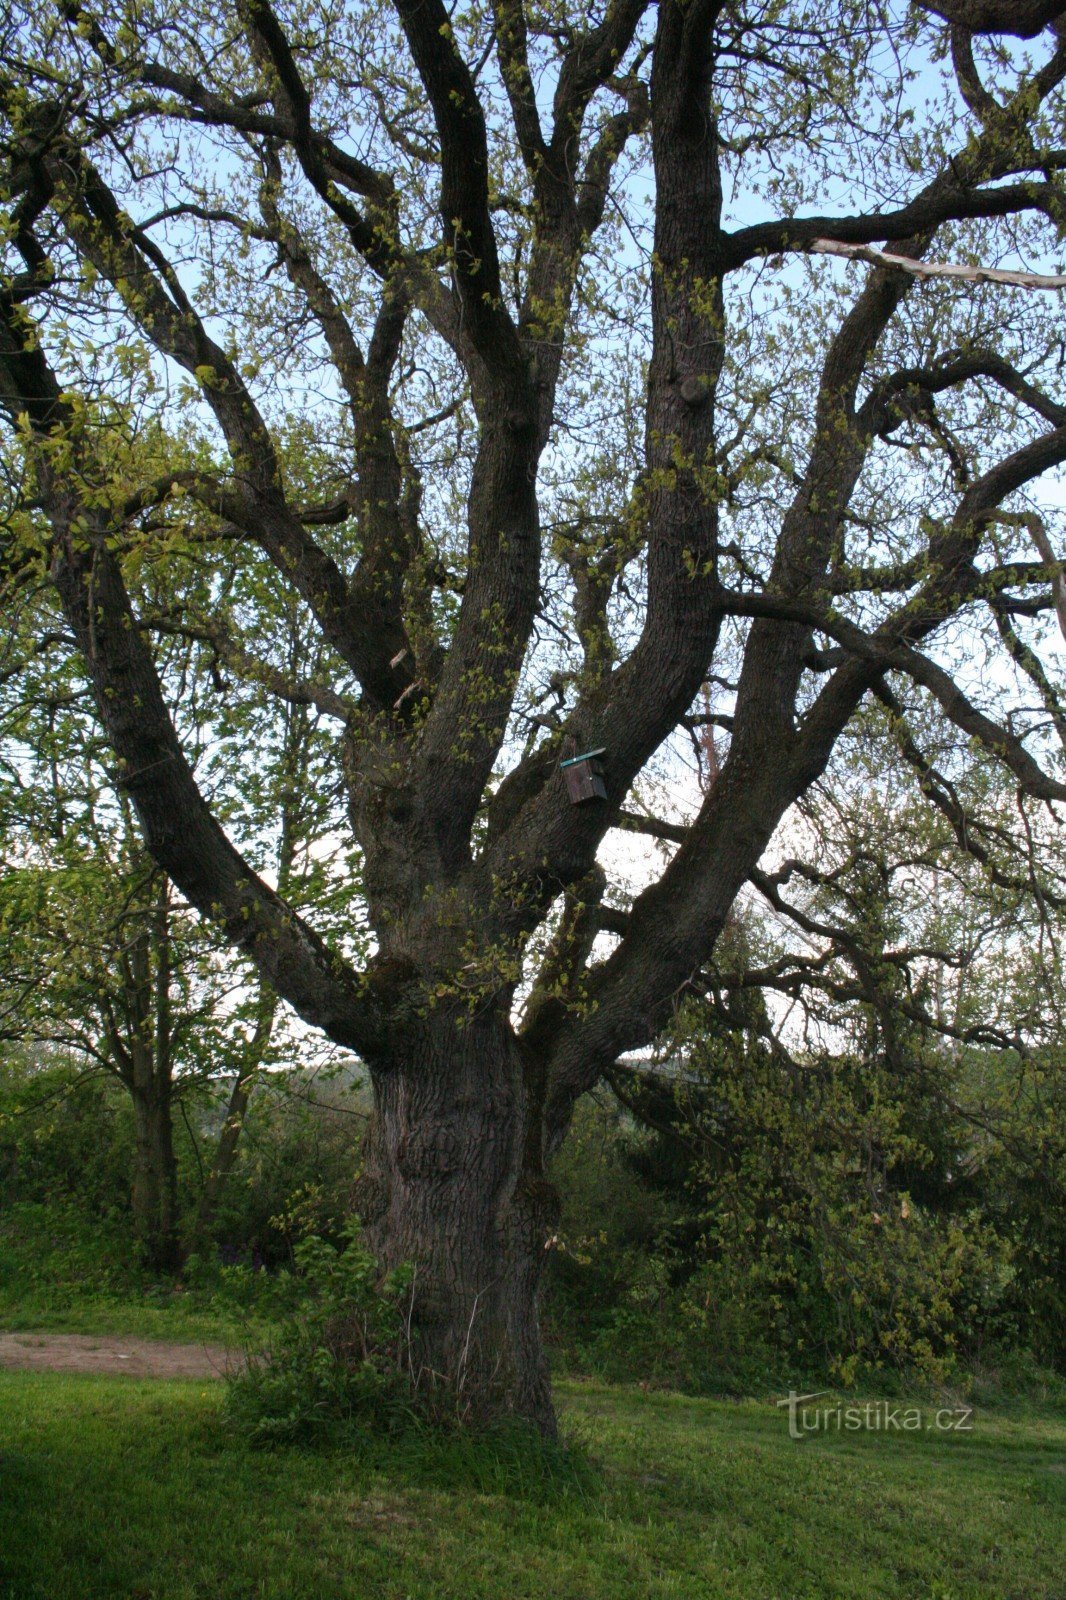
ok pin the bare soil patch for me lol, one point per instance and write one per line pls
(136, 1358)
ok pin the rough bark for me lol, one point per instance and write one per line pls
(1022, 18)
(456, 1190)
(154, 1191)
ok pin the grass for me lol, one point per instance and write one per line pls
(159, 1314)
(138, 1490)
(137, 1311)
(141, 1491)
(67, 1274)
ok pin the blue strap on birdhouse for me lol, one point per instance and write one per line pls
(590, 755)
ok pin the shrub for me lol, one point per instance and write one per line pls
(297, 1167)
(754, 1221)
(64, 1133)
(339, 1358)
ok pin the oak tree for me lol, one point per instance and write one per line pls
(521, 344)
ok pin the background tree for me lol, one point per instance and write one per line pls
(538, 462)
(100, 957)
(846, 1151)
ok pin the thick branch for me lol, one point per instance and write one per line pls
(364, 631)
(1022, 18)
(464, 193)
(177, 826)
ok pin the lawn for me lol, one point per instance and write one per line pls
(71, 1275)
(174, 1316)
(136, 1490)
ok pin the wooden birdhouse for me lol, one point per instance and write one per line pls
(584, 777)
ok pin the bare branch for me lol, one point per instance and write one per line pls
(936, 269)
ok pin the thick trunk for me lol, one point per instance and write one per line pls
(155, 1181)
(455, 1189)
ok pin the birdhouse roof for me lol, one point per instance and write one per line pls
(588, 756)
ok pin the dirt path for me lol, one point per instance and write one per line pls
(136, 1358)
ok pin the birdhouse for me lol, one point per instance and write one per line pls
(584, 777)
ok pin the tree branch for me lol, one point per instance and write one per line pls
(936, 269)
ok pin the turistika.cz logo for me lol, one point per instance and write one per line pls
(870, 1416)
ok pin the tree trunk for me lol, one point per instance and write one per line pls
(155, 1180)
(455, 1189)
(147, 1074)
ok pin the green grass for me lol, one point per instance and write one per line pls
(68, 1274)
(137, 1490)
(155, 1317)
(159, 1314)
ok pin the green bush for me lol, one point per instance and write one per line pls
(55, 1250)
(63, 1133)
(339, 1358)
(298, 1164)
(755, 1222)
